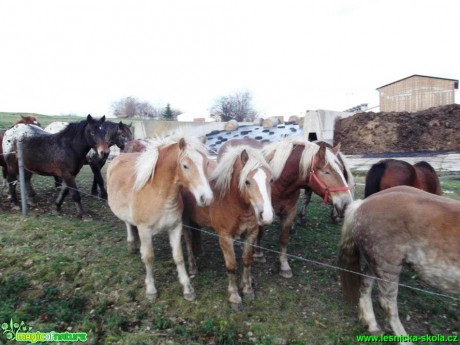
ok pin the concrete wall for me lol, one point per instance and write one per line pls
(321, 122)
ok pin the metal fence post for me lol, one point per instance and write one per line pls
(22, 180)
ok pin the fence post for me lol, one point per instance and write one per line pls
(22, 180)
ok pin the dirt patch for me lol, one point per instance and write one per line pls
(434, 129)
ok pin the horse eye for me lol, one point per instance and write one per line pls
(185, 166)
(271, 180)
(247, 183)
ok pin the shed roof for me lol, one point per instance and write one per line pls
(423, 76)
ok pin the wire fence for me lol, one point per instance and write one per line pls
(48, 190)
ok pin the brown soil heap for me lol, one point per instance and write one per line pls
(434, 129)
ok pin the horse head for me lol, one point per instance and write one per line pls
(193, 170)
(123, 135)
(325, 178)
(29, 120)
(95, 136)
(255, 184)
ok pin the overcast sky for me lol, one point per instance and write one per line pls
(60, 57)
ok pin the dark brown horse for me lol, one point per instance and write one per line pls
(32, 120)
(397, 226)
(61, 155)
(393, 172)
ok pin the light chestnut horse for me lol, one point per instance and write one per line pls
(144, 192)
(241, 185)
(298, 164)
(397, 226)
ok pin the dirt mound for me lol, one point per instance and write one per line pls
(434, 129)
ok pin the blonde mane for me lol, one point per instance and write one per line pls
(281, 151)
(147, 161)
(222, 175)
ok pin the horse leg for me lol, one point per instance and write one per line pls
(226, 244)
(147, 256)
(246, 284)
(62, 194)
(303, 209)
(258, 255)
(4, 173)
(287, 220)
(388, 295)
(57, 182)
(132, 238)
(192, 267)
(98, 181)
(12, 181)
(366, 310)
(175, 235)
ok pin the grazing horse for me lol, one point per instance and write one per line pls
(308, 192)
(393, 172)
(241, 184)
(144, 192)
(400, 225)
(299, 164)
(32, 120)
(118, 134)
(61, 155)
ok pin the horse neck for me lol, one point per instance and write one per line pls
(112, 131)
(290, 181)
(77, 141)
(166, 171)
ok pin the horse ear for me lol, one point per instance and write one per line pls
(244, 157)
(203, 139)
(130, 125)
(102, 120)
(22, 116)
(336, 149)
(182, 144)
(322, 152)
(89, 118)
(270, 156)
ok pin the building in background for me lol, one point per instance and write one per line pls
(417, 92)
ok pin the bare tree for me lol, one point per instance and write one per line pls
(131, 106)
(237, 106)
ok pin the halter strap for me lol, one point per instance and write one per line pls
(325, 189)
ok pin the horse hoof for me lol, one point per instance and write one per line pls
(132, 247)
(249, 296)
(85, 217)
(151, 296)
(237, 307)
(190, 296)
(259, 258)
(193, 271)
(286, 273)
(15, 207)
(377, 331)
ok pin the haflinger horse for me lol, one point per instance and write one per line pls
(118, 134)
(399, 225)
(298, 164)
(135, 145)
(389, 173)
(241, 184)
(30, 119)
(144, 192)
(61, 155)
(308, 192)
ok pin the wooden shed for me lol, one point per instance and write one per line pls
(417, 92)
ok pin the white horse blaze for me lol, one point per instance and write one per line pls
(203, 189)
(260, 177)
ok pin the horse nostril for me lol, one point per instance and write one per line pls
(202, 199)
(261, 215)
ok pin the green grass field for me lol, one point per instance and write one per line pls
(59, 273)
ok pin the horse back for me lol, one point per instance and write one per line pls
(406, 225)
(238, 142)
(389, 173)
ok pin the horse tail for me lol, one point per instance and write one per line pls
(373, 178)
(348, 258)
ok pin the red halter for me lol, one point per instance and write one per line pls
(324, 188)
